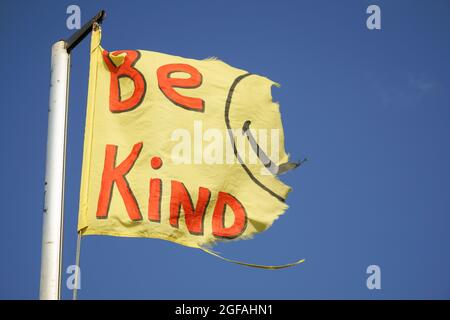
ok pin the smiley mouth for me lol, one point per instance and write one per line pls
(273, 167)
(264, 158)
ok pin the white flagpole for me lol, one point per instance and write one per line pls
(52, 229)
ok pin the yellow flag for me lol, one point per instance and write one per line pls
(179, 149)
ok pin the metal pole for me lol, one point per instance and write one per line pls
(52, 230)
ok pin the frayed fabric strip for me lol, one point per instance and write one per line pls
(253, 265)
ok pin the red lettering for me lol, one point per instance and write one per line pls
(167, 85)
(112, 174)
(126, 69)
(218, 219)
(154, 200)
(194, 218)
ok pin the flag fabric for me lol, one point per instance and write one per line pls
(179, 149)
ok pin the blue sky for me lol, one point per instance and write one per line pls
(370, 110)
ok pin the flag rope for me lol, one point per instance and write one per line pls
(77, 270)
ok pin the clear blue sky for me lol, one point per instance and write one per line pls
(370, 109)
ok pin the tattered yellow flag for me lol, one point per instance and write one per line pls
(179, 149)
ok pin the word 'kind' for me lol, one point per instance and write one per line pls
(115, 174)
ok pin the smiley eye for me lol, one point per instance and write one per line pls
(264, 158)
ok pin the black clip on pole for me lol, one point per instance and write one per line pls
(78, 36)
